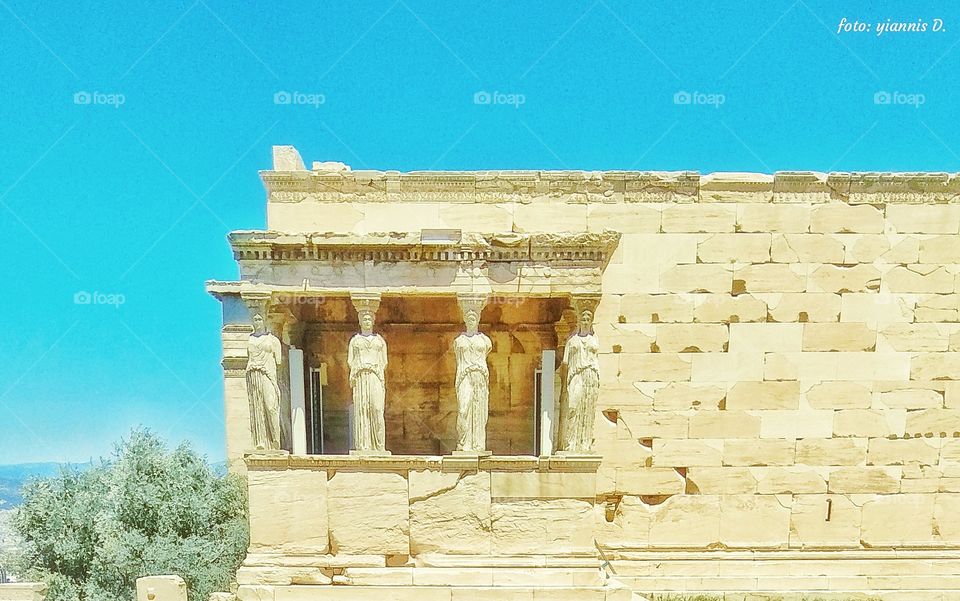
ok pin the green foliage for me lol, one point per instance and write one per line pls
(147, 510)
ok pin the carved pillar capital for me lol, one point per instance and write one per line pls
(365, 302)
(471, 301)
(258, 303)
(584, 302)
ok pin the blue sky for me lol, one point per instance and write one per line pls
(133, 132)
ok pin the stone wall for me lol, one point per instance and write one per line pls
(779, 353)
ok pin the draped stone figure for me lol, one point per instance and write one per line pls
(581, 356)
(367, 358)
(473, 384)
(264, 358)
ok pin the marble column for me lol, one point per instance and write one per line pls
(473, 378)
(367, 358)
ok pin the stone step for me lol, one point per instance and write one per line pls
(433, 593)
(779, 584)
(479, 576)
(787, 567)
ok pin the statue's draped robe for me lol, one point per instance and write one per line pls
(367, 358)
(473, 390)
(263, 390)
(582, 358)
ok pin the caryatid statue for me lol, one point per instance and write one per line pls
(581, 356)
(367, 358)
(473, 377)
(264, 358)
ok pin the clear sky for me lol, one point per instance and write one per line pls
(133, 132)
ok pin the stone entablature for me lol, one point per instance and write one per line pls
(290, 182)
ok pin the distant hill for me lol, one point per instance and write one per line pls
(13, 476)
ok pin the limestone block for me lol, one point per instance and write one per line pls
(23, 591)
(477, 217)
(924, 218)
(845, 278)
(734, 248)
(630, 337)
(804, 307)
(911, 399)
(656, 308)
(753, 521)
(933, 421)
(698, 218)
(368, 513)
(803, 423)
(885, 248)
(789, 480)
(622, 453)
(924, 451)
(538, 527)
(256, 593)
(655, 367)
(840, 395)
(766, 337)
(288, 511)
(938, 307)
(697, 277)
(869, 423)
(759, 452)
(630, 527)
(873, 366)
(724, 308)
(397, 217)
(844, 336)
(686, 521)
(865, 480)
(770, 277)
(721, 480)
(626, 218)
(161, 588)
(548, 217)
(727, 367)
(824, 521)
(649, 481)
(939, 249)
(543, 485)
(920, 278)
(951, 394)
(280, 575)
(935, 366)
(874, 309)
(690, 337)
(764, 395)
(831, 451)
(686, 452)
(950, 452)
(895, 520)
(806, 248)
(315, 217)
(773, 217)
(841, 217)
(927, 337)
(724, 424)
(449, 512)
(678, 396)
(946, 517)
(809, 367)
(646, 424)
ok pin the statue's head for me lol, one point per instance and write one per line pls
(366, 322)
(259, 325)
(585, 321)
(472, 320)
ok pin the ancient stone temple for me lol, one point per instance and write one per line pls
(596, 385)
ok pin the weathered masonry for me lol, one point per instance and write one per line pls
(778, 361)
